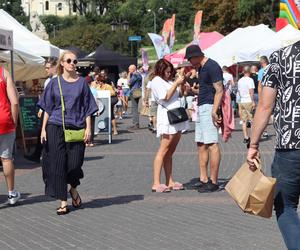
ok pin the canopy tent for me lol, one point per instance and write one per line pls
(113, 61)
(288, 35)
(244, 44)
(26, 65)
(33, 44)
(206, 39)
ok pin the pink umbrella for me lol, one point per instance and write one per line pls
(206, 39)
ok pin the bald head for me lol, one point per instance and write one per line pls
(132, 68)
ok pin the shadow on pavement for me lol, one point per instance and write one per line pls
(118, 200)
(26, 199)
(189, 185)
(93, 158)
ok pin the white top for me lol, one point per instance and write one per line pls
(244, 85)
(159, 89)
(123, 83)
(227, 77)
(149, 86)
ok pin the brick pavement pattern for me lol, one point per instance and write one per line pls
(120, 212)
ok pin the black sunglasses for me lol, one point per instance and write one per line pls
(69, 61)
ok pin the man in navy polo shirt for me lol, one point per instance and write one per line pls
(210, 94)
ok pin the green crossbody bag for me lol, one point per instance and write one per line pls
(71, 135)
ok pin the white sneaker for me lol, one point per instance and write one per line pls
(12, 199)
(241, 122)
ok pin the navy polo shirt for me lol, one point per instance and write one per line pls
(210, 73)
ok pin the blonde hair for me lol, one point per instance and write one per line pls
(60, 68)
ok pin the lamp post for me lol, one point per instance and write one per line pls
(119, 25)
(154, 17)
(54, 29)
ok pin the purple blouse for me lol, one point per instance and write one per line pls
(78, 98)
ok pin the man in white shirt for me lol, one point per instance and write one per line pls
(227, 78)
(247, 104)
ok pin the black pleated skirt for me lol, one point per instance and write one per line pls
(61, 164)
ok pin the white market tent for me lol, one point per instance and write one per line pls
(28, 49)
(30, 41)
(288, 35)
(244, 44)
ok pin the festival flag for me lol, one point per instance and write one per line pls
(172, 35)
(145, 59)
(166, 30)
(197, 26)
(161, 48)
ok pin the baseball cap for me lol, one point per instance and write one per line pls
(192, 51)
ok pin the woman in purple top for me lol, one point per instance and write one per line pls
(62, 161)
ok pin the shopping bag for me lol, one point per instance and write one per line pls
(252, 191)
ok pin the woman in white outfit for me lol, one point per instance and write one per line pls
(167, 95)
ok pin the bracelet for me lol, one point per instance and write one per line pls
(255, 146)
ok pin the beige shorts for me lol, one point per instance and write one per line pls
(246, 109)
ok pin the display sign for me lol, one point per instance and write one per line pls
(103, 120)
(30, 123)
(6, 39)
(134, 38)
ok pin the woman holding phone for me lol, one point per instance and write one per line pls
(167, 94)
(62, 161)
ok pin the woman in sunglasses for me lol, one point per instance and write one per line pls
(62, 161)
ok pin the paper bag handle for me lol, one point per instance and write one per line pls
(257, 163)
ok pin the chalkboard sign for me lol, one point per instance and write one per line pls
(30, 123)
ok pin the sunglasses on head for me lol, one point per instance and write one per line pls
(69, 61)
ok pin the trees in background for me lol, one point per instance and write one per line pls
(92, 26)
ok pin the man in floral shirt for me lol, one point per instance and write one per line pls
(281, 96)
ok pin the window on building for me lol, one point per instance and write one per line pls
(47, 5)
(59, 6)
(74, 7)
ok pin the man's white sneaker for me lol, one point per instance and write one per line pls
(12, 199)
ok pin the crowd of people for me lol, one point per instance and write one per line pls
(68, 107)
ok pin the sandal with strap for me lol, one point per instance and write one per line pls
(177, 186)
(162, 188)
(62, 210)
(75, 202)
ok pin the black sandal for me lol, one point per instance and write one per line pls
(74, 200)
(62, 212)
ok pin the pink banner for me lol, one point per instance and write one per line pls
(197, 25)
(145, 59)
(172, 35)
(166, 30)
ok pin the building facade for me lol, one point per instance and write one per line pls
(49, 7)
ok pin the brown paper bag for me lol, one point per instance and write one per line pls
(145, 111)
(252, 191)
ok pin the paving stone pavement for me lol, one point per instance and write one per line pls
(120, 212)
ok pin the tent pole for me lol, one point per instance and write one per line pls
(12, 64)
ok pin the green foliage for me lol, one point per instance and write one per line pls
(225, 16)
(14, 8)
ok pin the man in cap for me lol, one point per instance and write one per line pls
(210, 94)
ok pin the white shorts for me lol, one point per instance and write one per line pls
(205, 130)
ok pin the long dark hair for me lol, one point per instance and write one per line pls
(161, 66)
